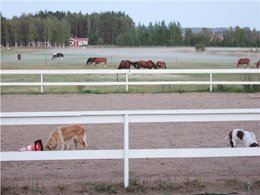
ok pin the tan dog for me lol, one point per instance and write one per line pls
(61, 136)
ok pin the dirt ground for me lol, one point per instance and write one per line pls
(189, 176)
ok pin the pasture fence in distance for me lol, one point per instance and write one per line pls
(126, 117)
(127, 83)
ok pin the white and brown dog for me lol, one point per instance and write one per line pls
(241, 136)
(61, 137)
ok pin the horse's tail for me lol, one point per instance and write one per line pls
(88, 61)
(258, 64)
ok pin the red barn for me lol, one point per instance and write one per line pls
(75, 42)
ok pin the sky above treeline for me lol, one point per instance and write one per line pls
(209, 14)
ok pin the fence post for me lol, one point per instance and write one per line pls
(41, 83)
(126, 149)
(210, 82)
(126, 80)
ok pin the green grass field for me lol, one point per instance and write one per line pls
(76, 59)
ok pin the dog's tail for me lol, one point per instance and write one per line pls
(226, 137)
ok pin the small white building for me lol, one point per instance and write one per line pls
(75, 42)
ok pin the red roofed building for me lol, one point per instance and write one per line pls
(75, 42)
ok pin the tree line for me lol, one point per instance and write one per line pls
(114, 28)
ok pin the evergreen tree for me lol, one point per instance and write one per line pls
(188, 37)
(113, 28)
(15, 30)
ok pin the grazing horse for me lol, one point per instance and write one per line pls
(145, 64)
(258, 64)
(19, 56)
(126, 64)
(91, 60)
(161, 65)
(57, 55)
(101, 60)
(243, 61)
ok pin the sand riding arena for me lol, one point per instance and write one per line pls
(222, 175)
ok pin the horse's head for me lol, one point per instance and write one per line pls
(134, 64)
(121, 64)
(88, 61)
(153, 64)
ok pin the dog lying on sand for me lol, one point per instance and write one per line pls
(240, 136)
(61, 137)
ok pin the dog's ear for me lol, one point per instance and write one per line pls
(47, 148)
(254, 145)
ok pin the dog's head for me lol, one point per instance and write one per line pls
(51, 144)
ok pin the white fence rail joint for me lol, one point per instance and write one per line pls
(129, 72)
(126, 117)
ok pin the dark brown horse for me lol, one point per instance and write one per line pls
(91, 60)
(101, 60)
(19, 56)
(126, 64)
(243, 61)
(258, 64)
(161, 65)
(145, 64)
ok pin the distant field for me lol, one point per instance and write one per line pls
(175, 58)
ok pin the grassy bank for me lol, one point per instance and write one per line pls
(198, 186)
(76, 59)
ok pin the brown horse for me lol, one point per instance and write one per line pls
(126, 64)
(243, 61)
(161, 65)
(19, 56)
(145, 64)
(258, 64)
(101, 60)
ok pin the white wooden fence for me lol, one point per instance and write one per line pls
(126, 117)
(129, 72)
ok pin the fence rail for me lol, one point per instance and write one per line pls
(130, 72)
(126, 117)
